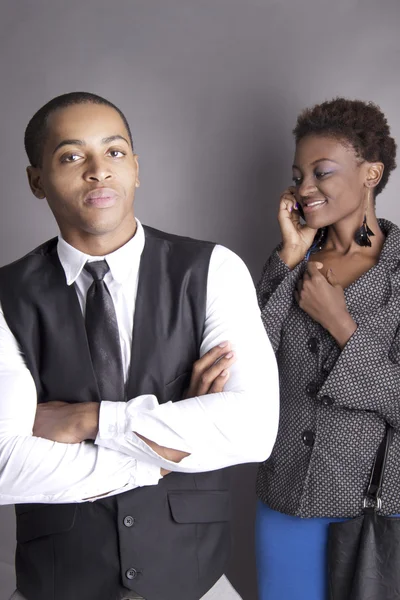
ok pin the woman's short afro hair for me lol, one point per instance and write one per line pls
(361, 124)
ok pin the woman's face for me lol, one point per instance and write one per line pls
(329, 180)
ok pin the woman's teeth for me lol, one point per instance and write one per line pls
(316, 203)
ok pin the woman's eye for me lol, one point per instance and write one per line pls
(116, 153)
(321, 174)
(296, 180)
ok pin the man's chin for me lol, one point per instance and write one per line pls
(102, 227)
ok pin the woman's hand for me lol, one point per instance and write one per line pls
(323, 299)
(296, 237)
(211, 372)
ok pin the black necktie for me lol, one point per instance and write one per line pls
(103, 336)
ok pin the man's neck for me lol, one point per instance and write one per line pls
(101, 244)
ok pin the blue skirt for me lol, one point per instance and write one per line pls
(291, 556)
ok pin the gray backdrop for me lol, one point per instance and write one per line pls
(211, 89)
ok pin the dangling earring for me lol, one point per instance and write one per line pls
(363, 234)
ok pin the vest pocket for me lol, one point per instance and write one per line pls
(175, 389)
(200, 506)
(42, 520)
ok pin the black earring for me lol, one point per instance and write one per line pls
(363, 234)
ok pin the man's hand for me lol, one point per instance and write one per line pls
(74, 423)
(211, 372)
(323, 299)
(167, 453)
(67, 423)
(209, 375)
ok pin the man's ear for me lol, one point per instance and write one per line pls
(137, 182)
(374, 174)
(35, 181)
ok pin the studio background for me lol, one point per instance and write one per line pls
(211, 89)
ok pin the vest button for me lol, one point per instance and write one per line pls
(312, 345)
(327, 401)
(129, 521)
(308, 438)
(131, 573)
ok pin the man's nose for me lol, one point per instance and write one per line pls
(98, 170)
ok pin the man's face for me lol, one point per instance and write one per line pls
(89, 171)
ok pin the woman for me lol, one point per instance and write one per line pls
(330, 302)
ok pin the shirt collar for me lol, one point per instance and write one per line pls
(120, 262)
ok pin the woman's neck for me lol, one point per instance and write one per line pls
(341, 236)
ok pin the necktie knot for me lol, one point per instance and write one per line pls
(97, 269)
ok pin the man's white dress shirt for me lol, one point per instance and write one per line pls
(235, 426)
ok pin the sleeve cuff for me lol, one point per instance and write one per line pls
(147, 474)
(111, 420)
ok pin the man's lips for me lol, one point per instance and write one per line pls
(101, 197)
(312, 205)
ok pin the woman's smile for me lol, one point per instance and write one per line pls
(311, 205)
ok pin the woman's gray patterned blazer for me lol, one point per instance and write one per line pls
(334, 403)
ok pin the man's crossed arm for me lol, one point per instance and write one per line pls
(134, 440)
(75, 423)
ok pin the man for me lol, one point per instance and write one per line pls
(119, 482)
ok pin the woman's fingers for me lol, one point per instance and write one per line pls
(289, 219)
(287, 202)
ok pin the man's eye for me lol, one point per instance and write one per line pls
(70, 158)
(116, 153)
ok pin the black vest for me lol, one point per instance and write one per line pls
(165, 542)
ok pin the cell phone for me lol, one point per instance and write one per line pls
(300, 211)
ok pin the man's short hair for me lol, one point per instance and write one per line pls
(36, 131)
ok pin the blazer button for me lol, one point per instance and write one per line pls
(312, 345)
(276, 281)
(327, 401)
(312, 389)
(129, 521)
(308, 438)
(131, 573)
